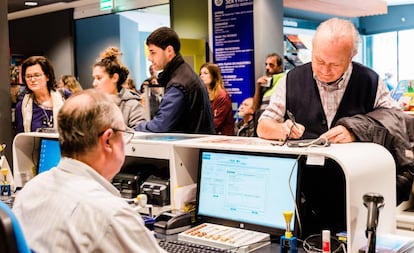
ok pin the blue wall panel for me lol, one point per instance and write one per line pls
(130, 47)
(399, 17)
(93, 35)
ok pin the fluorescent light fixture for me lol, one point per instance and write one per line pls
(30, 3)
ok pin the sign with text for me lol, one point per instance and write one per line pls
(233, 47)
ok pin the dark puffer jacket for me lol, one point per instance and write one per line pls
(379, 127)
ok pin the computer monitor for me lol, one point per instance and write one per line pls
(247, 190)
(49, 154)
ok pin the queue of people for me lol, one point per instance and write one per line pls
(331, 97)
(169, 110)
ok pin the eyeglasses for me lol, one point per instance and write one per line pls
(127, 134)
(35, 76)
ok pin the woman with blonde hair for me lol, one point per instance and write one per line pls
(69, 82)
(220, 100)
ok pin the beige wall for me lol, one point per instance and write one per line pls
(190, 18)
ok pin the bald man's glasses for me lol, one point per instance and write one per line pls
(127, 134)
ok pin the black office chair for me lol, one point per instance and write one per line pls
(11, 235)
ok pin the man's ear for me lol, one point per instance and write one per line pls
(354, 52)
(170, 52)
(106, 136)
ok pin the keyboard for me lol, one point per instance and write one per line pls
(174, 246)
(225, 237)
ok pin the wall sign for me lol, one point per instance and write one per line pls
(233, 47)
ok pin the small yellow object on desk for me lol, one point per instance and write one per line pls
(5, 186)
(4, 172)
(288, 217)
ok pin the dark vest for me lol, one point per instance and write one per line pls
(303, 99)
(197, 118)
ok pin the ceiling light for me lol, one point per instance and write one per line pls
(30, 3)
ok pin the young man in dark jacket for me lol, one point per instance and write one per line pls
(185, 106)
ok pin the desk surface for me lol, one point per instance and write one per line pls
(358, 162)
(272, 248)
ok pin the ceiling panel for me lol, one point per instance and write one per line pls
(18, 5)
(348, 8)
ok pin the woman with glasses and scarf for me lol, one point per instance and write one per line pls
(40, 105)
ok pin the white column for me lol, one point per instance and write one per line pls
(268, 31)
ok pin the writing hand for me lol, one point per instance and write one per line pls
(294, 129)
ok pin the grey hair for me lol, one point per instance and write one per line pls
(83, 117)
(339, 29)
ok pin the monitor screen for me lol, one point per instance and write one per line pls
(49, 154)
(247, 190)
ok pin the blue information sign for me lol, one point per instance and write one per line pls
(233, 47)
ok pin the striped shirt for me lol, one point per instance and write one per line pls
(72, 208)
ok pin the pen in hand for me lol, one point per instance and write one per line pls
(291, 117)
